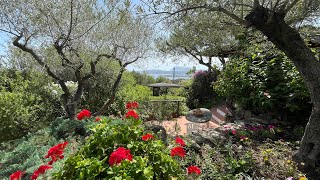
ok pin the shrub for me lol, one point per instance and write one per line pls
(18, 114)
(27, 154)
(200, 93)
(266, 83)
(151, 159)
(26, 105)
(62, 128)
(149, 106)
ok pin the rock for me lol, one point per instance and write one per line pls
(160, 131)
(201, 140)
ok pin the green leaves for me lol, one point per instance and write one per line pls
(150, 160)
(264, 83)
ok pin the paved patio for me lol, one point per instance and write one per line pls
(181, 126)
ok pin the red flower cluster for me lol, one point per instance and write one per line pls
(56, 152)
(147, 137)
(178, 151)
(132, 105)
(17, 175)
(193, 169)
(118, 155)
(132, 114)
(180, 141)
(41, 170)
(84, 113)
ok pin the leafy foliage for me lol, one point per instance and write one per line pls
(26, 104)
(265, 84)
(28, 153)
(150, 158)
(200, 93)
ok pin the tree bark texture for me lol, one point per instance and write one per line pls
(288, 40)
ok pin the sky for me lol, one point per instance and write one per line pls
(165, 63)
(3, 42)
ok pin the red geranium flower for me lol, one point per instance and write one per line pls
(132, 105)
(97, 119)
(132, 113)
(56, 152)
(180, 141)
(41, 170)
(147, 137)
(193, 169)
(84, 113)
(178, 151)
(17, 175)
(118, 155)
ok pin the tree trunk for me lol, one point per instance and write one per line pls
(289, 41)
(69, 106)
(115, 86)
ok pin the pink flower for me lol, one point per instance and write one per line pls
(84, 113)
(132, 114)
(193, 169)
(234, 132)
(17, 175)
(178, 151)
(147, 137)
(119, 155)
(271, 126)
(180, 141)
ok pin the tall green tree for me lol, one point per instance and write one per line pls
(277, 20)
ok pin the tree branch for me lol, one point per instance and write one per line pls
(35, 56)
(231, 15)
(70, 25)
(9, 32)
(93, 65)
(130, 62)
(290, 6)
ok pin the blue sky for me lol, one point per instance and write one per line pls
(3, 42)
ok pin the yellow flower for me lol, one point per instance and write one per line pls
(268, 150)
(246, 138)
(303, 178)
(265, 159)
(288, 161)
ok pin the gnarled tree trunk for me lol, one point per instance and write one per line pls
(288, 40)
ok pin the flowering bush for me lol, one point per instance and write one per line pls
(53, 152)
(121, 149)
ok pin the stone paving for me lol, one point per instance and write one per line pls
(181, 126)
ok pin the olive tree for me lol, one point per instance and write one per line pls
(72, 37)
(278, 20)
(202, 38)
